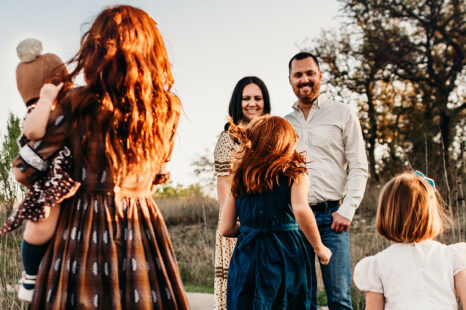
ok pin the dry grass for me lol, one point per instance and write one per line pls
(195, 209)
(10, 267)
(191, 222)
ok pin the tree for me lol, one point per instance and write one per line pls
(9, 188)
(204, 170)
(428, 51)
(401, 62)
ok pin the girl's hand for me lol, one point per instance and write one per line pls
(49, 91)
(324, 254)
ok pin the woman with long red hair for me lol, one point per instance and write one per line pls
(111, 248)
(270, 266)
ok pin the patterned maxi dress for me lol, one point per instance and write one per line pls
(111, 248)
(223, 246)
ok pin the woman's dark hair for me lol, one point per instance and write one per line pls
(235, 109)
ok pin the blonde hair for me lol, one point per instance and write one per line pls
(409, 210)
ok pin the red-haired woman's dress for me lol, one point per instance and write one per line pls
(111, 249)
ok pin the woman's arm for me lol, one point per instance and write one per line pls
(374, 301)
(228, 226)
(35, 123)
(306, 219)
(460, 286)
(223, 188)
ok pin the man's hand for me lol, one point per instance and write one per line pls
(340, 223)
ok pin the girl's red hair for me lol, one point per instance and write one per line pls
(267, 151)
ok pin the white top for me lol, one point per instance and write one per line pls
(332, 138)
(418, 276)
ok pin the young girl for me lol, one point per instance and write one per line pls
(415, 272)
(270, 266)
(34, 77)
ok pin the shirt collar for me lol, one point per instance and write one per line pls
(316, 105)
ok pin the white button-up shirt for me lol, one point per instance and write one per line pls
(332, 139)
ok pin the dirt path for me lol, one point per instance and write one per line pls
(197, 301)
(201, 301)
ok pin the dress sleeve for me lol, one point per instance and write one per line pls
(459, 256)
(366, 276)
(223, 153)
(33, 159)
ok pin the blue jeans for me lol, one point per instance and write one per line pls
(337, 274)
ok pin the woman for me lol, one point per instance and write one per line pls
(111, 248)
(250, 99)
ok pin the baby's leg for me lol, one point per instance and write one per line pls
(40, 232)
(35, 242)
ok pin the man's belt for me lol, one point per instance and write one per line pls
(325, 206)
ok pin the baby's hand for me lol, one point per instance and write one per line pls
(324, 254)
(49, 92)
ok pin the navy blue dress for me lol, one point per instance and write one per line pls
(270, 267)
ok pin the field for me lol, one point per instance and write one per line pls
(192, 220)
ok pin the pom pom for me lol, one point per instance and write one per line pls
(29, 49)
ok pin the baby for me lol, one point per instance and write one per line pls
(39, 78)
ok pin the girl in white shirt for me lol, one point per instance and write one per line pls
(415, 272)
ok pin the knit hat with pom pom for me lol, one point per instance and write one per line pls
(35, 69)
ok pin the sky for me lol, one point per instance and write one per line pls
(211, 44)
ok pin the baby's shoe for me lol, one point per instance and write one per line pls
(26, 289)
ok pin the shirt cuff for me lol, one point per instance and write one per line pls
(346, 211)
(32, 159)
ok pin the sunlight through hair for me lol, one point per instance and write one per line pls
(267, 151)
(125, 63)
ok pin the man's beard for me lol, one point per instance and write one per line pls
(308, 99)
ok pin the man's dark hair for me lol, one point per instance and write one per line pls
(300, 56)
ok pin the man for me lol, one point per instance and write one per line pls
(331, 135)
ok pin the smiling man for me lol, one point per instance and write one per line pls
(330, 134)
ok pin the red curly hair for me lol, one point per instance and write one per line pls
(127, 95)
(267, 151)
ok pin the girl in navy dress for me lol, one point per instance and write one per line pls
(270, 266)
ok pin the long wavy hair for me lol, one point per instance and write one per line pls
(267, 151)
(127, 94)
